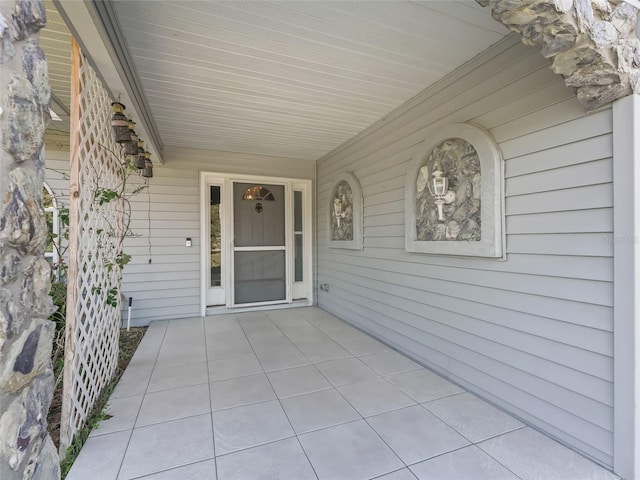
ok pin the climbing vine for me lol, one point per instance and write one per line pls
(111, 253)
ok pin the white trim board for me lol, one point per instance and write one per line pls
(626, 265)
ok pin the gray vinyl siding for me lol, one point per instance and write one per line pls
(162, 218)
(168, 212)
(169, 286)
(532, 334)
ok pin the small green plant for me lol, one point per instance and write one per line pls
(112, 297)
(106, 195)
(97, 415)
(120, 261)
(127, 346)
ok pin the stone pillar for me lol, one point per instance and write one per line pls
(26, 334)
(593, 44)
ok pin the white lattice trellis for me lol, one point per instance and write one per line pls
(95, 232)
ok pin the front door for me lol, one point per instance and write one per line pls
(260, 267)
(256, 244)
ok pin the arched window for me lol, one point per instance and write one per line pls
(258, 192)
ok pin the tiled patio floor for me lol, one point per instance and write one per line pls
(297, 394)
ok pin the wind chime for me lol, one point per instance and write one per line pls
(124, 133)
(120, 124)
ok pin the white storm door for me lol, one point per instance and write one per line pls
(259, 248)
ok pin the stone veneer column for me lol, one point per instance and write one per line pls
(593, 43)
(26, 334)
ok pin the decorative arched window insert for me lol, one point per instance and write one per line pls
(51, 212)
(258, 192)
(345, 213)
(453, 194)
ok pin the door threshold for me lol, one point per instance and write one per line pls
(221, 310)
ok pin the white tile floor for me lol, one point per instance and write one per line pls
(298, 394)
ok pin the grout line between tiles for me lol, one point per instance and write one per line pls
(384, 377)
(494, 458)
(456, 450)
(423, 405)
(244, 449)
(143, 395)
(398, 470)
(384, 441)
(172, 468)
(213, 430)
(354, 409)
(279, 400)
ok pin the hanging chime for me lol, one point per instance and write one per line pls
(147, 172)
(139, 161)
(131, 147)
(120, 123)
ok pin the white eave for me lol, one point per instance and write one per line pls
(110, 63)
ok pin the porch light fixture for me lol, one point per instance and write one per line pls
(120, 123)
(131, 147)
(339, 210)
(439, 189)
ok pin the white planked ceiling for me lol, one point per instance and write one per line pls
(55, 41)
(291, 78)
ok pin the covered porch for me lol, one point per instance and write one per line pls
(517, 294)
(299, 394)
